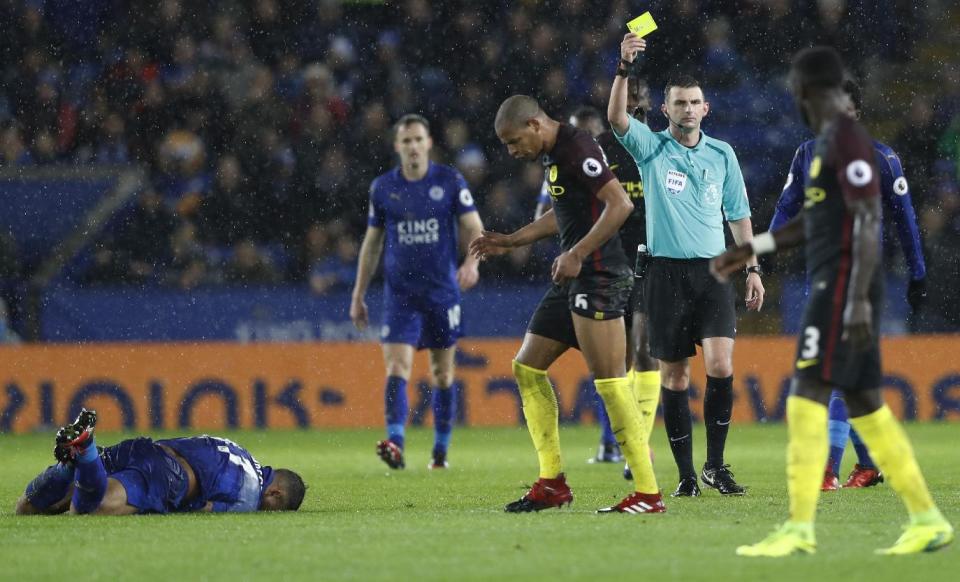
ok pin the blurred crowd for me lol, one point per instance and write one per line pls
(262, 122)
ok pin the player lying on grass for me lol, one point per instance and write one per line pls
(142, 476)
(839, 347)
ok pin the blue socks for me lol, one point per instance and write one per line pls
(863, 457)
(90, 480)
(600, 411)
(396, 409)
(443, 409)
(50, 486)
(839, 427)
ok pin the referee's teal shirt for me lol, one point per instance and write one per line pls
(686, 191)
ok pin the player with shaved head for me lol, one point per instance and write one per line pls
(584, 307)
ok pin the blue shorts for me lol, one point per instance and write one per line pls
(420, 325)
(154, 481)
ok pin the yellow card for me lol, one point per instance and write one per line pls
(642, 25)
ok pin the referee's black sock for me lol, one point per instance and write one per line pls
(679, 425)
(717, 408)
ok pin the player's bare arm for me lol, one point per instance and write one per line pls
(857, 314)
(490, 243)
(617, 106)
(742, 231)
(367, 262)
(471, 228)
(736, 257)
(616, 210)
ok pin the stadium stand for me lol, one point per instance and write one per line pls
(258, 125)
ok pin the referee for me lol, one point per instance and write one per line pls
(692, 183)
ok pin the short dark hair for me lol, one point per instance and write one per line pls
(587, 113)
(292, 486)
(682, 81)
(818, 67)
(516, 110)
(852, 88)
(411, 119)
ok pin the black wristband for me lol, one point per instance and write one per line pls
(755, 269)
(622, 71)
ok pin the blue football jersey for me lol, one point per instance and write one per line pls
(421, 220)
(227, 474)
(893, 188)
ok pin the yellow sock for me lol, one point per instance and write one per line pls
(646, 389)
(890, 448)
(542, 414)
(807, 452)
(627, 424)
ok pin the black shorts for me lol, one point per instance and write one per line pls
(821, 352)
(685, 304)
(593, 297)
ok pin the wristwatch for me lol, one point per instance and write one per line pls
(755, 269)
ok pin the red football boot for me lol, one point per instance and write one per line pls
(544, 494)
(830, 482)
(391, 454)
(863, 477)
(638, 502)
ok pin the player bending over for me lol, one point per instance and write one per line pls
(583, 309)
(839, 347)
(144, 476)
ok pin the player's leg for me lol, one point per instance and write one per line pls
(678, 423)
(49, 492)
(891, 449)
(90, 476)
(839, 428)
(542, 415)
(865, 473)
(609, 451)
(717, 412)
(443, 399)
(548, 336)
(716, 324)
(646, 380)
(806, 455)
(398, 358)
(603, 346)
(114, 500)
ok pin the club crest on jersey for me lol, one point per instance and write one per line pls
(466, 198)
(711, 194)
(676, 181)
(592, 167)
(436, 193)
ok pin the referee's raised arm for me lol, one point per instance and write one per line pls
(617, 107)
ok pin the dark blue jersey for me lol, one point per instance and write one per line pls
(228, 475)
(893, 188)
(421, 223)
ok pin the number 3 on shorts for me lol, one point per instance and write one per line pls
(811, 343)
(453, 317)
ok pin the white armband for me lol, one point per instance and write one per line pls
(763, 244)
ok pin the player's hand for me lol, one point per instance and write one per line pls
(857, 327)
(565, 267)
(490, 244)
(733, 259)
(755, 292)
(467, 275)
(358, 313)
(917, 294)
(631, 45)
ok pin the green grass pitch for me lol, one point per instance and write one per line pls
(363, 522)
